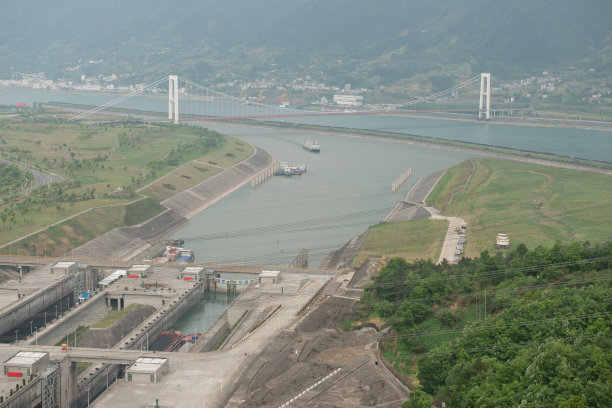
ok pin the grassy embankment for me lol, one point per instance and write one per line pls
(104, 167)
(535, 205)
(198, 170)
(411, 240)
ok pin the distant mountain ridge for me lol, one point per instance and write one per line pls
(339, 41)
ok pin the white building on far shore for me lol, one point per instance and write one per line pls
(348, 100)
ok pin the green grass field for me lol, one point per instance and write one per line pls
(111, 318)
(411, 240)
(198, 170)
(104, 166)
(536, 205)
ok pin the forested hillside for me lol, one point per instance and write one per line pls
(528, 328)
(338, 41)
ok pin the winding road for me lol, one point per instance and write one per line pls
(41, 178)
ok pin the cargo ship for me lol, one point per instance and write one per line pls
(173, 252)
(166, 341)
(312, 145)
(172, 340)
(188, 339)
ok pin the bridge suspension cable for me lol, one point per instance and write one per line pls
(201, 103)
(120, 99)
(464, 84)
(511, 86)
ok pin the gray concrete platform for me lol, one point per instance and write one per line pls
(198, 379)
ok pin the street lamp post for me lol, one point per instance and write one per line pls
(56, 311)
(16, 331)
(31, 330)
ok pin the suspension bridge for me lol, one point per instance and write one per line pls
(483, 96)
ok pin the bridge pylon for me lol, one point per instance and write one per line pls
(485, 96)
(173, 112)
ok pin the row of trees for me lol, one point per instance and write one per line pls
(11, 178)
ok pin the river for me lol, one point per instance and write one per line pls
(347, 187)
(582, 143)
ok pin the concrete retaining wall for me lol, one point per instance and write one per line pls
(91, 310)
(151, 299)
(196, 198)
(96, 385)
(108, 337)
(35, 303)
(122, 242)
(28, 396)
(156, 228)
(213, 335)
(167, 318)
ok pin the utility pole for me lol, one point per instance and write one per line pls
(485, 306)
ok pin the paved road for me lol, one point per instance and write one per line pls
(40, 178)
(451, 240)
(414, 208)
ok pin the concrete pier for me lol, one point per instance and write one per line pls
(400, 180)
(263, 175)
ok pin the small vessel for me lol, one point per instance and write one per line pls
(172, 340)
(284, 169)
(312, 145)
(188, 339)
(298, 169)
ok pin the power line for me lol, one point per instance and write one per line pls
(495, 291)
(489, 222)
(292, 226)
